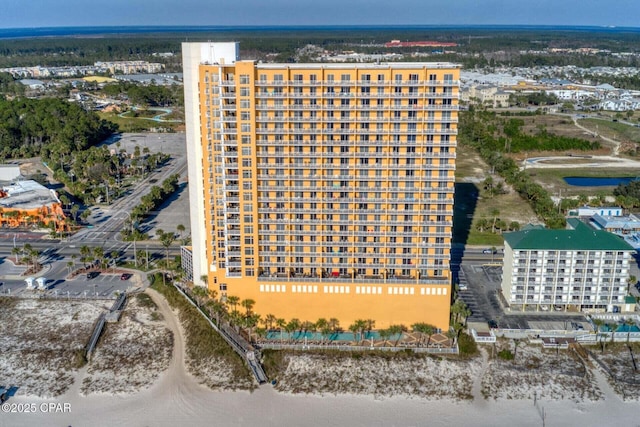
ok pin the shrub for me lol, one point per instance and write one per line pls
(467, 347)
(505, 354)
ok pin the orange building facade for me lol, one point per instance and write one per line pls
(323, 190)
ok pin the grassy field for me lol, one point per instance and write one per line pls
(473, 203)
(129, 124)
(614, 130)
(557, 125)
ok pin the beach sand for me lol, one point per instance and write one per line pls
(177, 399)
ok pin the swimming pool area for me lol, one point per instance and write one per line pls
(334, 336)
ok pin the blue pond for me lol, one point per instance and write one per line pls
(582, 181)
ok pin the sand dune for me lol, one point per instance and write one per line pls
(176, 398)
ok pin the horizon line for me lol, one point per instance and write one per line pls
(304, 26)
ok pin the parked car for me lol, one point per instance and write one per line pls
(488, 251)
(125, 276)
(493, 324)
(92, 274)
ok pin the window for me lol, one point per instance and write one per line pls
(244, 91)
(244, 79)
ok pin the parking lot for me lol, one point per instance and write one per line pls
(480, 290)
(102, 286)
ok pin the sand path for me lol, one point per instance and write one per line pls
(476, 390)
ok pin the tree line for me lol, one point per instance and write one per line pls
(151, 95)
(478, 129)
(30, 126)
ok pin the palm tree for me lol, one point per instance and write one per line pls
(180, 228)
(481, 224)
(292, 326)
(306, 326)
(460, 310)
(629, 323)
(494, 213)
(16, 251)
(114, 257)
(424, 329)
(199, 293)
(98, 253)
(280, 324)
(85, 251)
(355, 328)
(251, 322)
(334, 325)
(612, 328)
(323, 326)
(397, 330)
(371, 324)
(385, 334)
(217, 308)
(599, 323)
(166, 239)
(233, 301)
(269, 321)
(248, 304)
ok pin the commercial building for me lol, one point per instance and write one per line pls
(577, 268)
(29, 204)
(323, 190)
(589, 211)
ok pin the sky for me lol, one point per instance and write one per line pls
(63, 13)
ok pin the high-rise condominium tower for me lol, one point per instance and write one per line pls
(322, 190)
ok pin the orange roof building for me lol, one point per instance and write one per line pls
(27, 204)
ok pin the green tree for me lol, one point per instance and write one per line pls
(397, 330)
(233, 301)
(248, 304)
(424, 329)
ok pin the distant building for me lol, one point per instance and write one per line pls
(29, 204)
(482, 94)
(428, 43)
(130, 67)
(589, 211)
(186, 257)
(577, 268)
(32, 84)
(617, 224)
